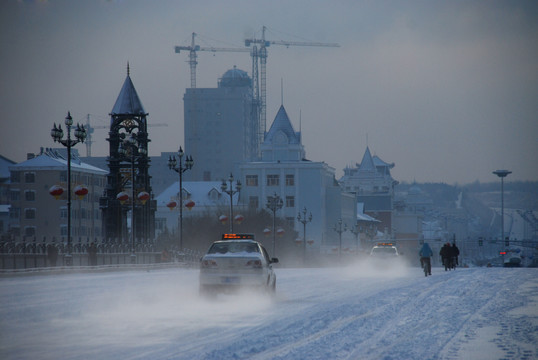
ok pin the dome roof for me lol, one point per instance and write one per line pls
(235, 77)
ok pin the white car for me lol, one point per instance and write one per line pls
(234, 263)
(384, 250)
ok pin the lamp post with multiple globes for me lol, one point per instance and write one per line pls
(304, 220)
(230, 191)
(274, 203)
(57, 135)
(180, 168)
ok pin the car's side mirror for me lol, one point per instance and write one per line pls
(274, 260)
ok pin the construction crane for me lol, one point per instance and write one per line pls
(90, 130)
(193, 48)
(259, 83)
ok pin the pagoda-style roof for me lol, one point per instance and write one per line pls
(367, 163)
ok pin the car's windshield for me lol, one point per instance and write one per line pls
(233, 247)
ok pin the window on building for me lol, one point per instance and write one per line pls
(29, 231)
(29, 213)
(214, 195)
(273, 180)
(15, 176)
(14, 195)
(290, 180)
(63, 230)
(14, 212)
(29, 177)
(15, 230)
(63, 213)
(290, 201)
(63, 176)
(29, 195)
(253, 202)
(252, 180)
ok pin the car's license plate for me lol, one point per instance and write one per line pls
(230, 280)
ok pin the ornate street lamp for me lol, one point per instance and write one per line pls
(304, 220)
(502, 174)
(230, 191)
(274, 203)
(132, 149)
(180, 168)
(340, 229)
(57, 135)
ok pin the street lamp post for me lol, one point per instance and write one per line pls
(304, 220)
(356, 231)
(340, 229)
(57, 134)
(132, 149)
(178, 167)
(502, 174)
(274, 203)
(230, 191)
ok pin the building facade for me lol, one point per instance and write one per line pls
(220, 128)
(373, 184)
(36, 214)
(300, 183)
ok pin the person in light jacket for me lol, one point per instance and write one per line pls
(425, 254)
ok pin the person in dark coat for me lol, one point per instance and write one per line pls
(52, 254)
(455, 253)
(446, 255)
(92, 254)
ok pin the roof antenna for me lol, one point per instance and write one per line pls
(128, 69)
(281, 92)
(366, 139)
(300, 125)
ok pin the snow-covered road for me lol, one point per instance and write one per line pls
(329, 313)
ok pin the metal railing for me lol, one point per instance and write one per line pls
(16, 255)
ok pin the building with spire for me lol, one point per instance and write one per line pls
(221, 129)
(373, 184)
(284, 170)
(128, 165)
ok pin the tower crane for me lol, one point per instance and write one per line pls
(259, 83)
(193, 48)
(91, 129)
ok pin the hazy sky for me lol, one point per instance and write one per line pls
(447, 90)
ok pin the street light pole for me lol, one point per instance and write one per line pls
(339, 229)
(274, 203)
(133, 149)
(57, 135)
(231, 192)
(304, 220)
(178, 167)
(356, 231)
(502, 174)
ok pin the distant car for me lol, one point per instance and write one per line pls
(384, 250)
(234, 263)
